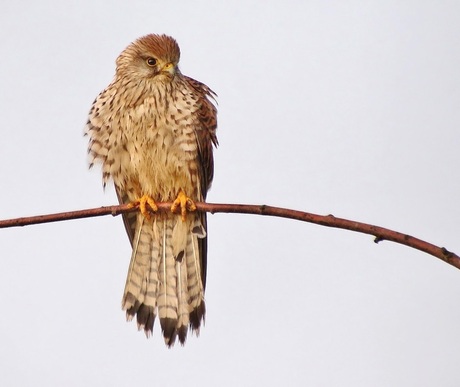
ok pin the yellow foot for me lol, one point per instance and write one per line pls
(142, 203)
(185, 203)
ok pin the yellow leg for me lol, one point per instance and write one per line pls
(142, 203)
(185, 204)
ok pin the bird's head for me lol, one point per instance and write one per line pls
(154, 57)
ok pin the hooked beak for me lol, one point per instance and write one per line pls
(169, 68)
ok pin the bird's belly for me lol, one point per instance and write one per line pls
(160, 166)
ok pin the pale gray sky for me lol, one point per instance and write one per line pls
(342, 107)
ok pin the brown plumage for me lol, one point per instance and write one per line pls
(153, 129)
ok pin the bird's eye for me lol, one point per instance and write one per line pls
(151, 61)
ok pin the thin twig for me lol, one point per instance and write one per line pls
(379, 233)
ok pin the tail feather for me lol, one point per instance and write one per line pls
(167, 295)
(182, 293)
(165, 276)
(142, 281)
(138, 272)
(195, 282)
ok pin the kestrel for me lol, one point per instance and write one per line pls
(153, 130)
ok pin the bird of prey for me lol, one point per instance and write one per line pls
(153, 130)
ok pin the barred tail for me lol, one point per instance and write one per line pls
(165, 276)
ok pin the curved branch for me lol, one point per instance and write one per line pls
(379, 233)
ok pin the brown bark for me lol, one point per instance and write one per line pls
(379, 233)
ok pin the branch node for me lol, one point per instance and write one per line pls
(446, 252)
(378, 239)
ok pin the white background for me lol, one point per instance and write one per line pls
(342, 107)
